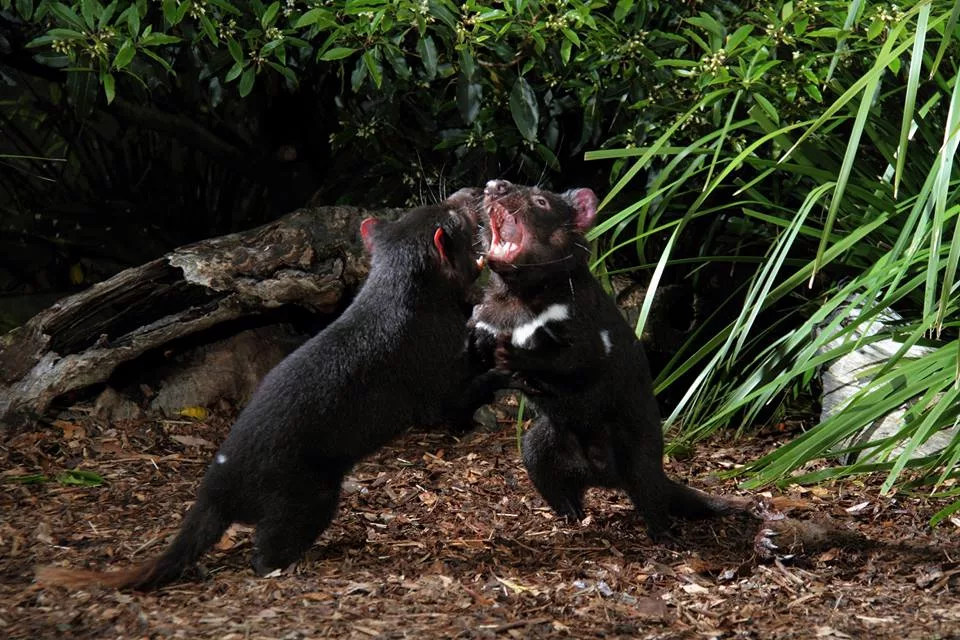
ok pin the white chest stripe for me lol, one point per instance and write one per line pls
(605, 339)
(554, 313)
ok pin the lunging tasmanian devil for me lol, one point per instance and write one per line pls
(545, 319)
(393, 359)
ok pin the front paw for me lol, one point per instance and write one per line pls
(525, 385)
(503, 352)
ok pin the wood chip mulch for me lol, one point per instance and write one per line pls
(445, 538)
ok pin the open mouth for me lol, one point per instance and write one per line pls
(506, 236)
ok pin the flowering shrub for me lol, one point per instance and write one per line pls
(398, 95)
(520, 86)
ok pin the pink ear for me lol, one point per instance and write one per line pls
(584, 202)
(366, 228)
(438, 243)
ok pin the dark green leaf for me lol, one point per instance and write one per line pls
(235, 71)
(571, 35)
(25, 9)
(548, 156)
(236, 51)
(270, 46)
(490, 14)
(337, 53)
(524, 109)
(358, 75)
(157, 39)
(374, 67)
(181, 12)
(66, 14)
(708, 23)
(428, 53)
(170, 11)
(398, 63)
(246, 81)
(65, 34)
(124, 55)
(813, 92)
(826, 32)
(566, 48)
(269, 15)
(226, 6)
(108, 86)
(767, 107)
(467, 64)
(286, 72)
(444, 15)
(539, 44)
(738, 36)
(41, 41)
(90, 9)
(622, 9)
(132, 17)
(106, 14)
(163, 63)
(469, 94)
(209, 29)
(323, 18)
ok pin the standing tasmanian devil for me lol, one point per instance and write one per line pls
(547, 320)
(393, 359)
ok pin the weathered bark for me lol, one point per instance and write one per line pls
(311, 258)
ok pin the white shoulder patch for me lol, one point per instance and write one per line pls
(554, 313)
(221, 459)
(487, 328)
(605, 339)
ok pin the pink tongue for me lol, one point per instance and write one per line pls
(506, 236)
(509, 230)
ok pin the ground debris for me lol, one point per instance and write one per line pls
(440, 537)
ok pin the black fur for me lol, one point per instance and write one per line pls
(392, 360)
(598, 424)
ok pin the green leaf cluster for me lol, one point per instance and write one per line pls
(531, 83)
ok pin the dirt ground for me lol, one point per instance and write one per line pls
(441, 538)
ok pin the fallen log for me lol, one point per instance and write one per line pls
(311, 259)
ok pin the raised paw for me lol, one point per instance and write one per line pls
(503, 352)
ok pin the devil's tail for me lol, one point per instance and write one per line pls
(693, 504)
(201, 529)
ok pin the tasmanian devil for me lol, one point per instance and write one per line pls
(548, 321)
(392, 360)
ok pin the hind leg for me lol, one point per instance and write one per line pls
(639, 469)
(290, 528)
(557, 467)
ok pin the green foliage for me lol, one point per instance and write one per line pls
(821, 148)
(527, 82)
(71, 477)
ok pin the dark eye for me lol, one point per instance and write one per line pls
(541, 202)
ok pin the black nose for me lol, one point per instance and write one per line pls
(497, 187)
